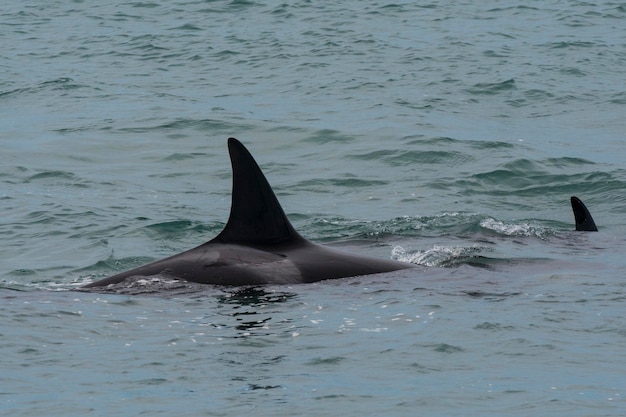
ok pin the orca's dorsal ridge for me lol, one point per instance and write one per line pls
(256, 216)
(582, 217)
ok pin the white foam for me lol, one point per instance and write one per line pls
(510, 229)
(434, 256)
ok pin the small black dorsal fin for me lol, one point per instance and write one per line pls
(584, 221)
(256, 216)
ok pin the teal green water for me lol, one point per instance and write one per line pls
(450, 136)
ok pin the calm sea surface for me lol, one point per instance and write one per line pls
(447, 135)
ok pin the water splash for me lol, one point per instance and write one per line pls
(438, 255)
(514, 229)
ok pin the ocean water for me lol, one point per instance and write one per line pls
(447, 135)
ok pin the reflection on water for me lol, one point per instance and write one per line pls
(254, 296)
(258, 321)
(252, 307)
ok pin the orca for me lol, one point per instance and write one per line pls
(258, 245)
(582, 217)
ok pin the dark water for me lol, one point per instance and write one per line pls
(450, 136)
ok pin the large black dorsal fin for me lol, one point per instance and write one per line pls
(256, 216)
(584, 221)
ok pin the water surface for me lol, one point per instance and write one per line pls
(447, 135)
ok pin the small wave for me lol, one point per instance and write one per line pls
(215, 127)
(570, 44)
(62, 84)
(180, 229)
(178, 157)
(419, 157)
(514, 229)
(492, 88)
(458, 224)
(149, 285)
(57, 175)
(29, 280)
(438, 255)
